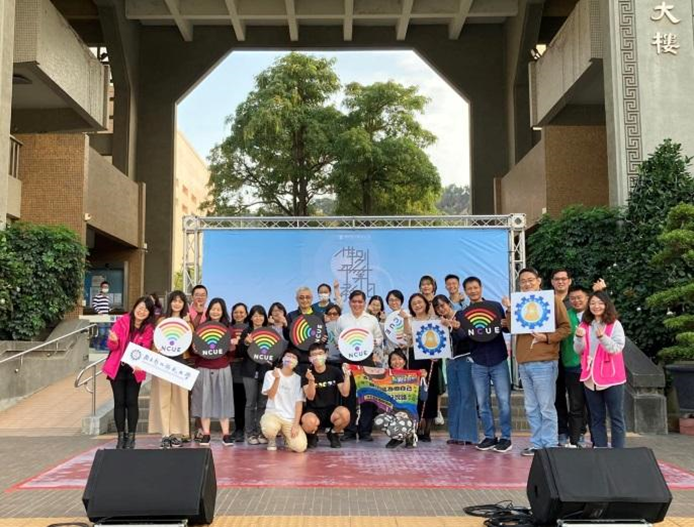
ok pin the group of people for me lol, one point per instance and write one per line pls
(572, 378)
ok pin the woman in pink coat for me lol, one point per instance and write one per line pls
(136, 327)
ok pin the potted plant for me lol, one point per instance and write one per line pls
(678, 254)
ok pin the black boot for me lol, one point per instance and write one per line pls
(121, 441)
(130, 441)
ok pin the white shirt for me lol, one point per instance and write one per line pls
(288, 394)
(364, 321)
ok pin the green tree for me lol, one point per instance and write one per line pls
(278, 155)
(381, 166)
(663, 182)
(454, 200)
(571, 240)
(678, 242)
(41, 277)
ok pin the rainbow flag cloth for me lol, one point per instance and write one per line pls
(390, 390)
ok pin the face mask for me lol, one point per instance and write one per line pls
(290, 362)
(104, 290)
(318, 360)
(324, 297)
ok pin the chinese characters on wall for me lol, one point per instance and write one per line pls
(664, 40)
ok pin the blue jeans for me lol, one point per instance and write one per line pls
(462, 407)
(101, 339)
(539, 391)
(483, 377)
(600, 403)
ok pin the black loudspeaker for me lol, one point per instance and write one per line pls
(152, 485)
(596, 484)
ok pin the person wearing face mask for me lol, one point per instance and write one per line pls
(323, 385)
(285, 401)
(324, 292)
(101, 303)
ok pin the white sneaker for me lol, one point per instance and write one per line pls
(272, 444)
(439, 420)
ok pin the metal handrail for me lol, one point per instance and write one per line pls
(20, 355)
(79, 382)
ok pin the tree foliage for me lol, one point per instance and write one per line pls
(279, 150)
(663, 182)
(41, 277)
(570, 241)
(290, 146)
(381, 166)
(454, 200)
(678, 249)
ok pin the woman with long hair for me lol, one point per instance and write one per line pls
(599, 340)
(168, 407)
(239, 318)
(136, 327)
(213, 395)
(253, 376)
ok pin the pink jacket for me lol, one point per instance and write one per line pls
(606, 369)
(122, 329)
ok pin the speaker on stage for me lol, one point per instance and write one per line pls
(597, 483)
(127, 485)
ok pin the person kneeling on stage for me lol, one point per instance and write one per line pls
(323, 384)
(285, 401)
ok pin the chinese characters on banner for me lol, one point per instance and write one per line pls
(160, 366)
(665, 42)
(353, 267)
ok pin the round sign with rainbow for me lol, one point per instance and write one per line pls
(173, 336)
(266, 346)
(306, 330)
(394, 329)
(356, 344)
(211, 340)
(482, 321)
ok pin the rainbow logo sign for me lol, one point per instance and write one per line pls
(266, 346)
(173, 337)
(306, 330)
(356, 344)
(211, 340)
(394, 329)
(482, 321)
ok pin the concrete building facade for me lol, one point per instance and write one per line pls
(566, 96)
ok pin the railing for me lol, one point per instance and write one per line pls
(20, 356)
(79, 382)
(15, 147)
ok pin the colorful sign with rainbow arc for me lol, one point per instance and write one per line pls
(173, 336)
(394, 328)
(356, 344)
(306, 330)
(390, 390)
(533, 312)
(211, 340)
(266, 346)
(482, 321)
(431, 340)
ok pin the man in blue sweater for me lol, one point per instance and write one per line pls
(490, 364)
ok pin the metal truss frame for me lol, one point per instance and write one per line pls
(195, 226)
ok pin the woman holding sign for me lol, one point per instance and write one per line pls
(431, 370)
(213, 394)
(168, 408)
(462, 407)
(253, 375)
(136, 327)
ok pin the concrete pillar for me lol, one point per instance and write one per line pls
(6, 67)
(649, 69)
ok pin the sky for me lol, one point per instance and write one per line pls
(202, 113)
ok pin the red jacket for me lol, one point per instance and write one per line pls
(122, 329)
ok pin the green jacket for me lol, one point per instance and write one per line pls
(569, 358)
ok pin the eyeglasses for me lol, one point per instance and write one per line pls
(560, 279)
(528, 282)
(304, 297)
